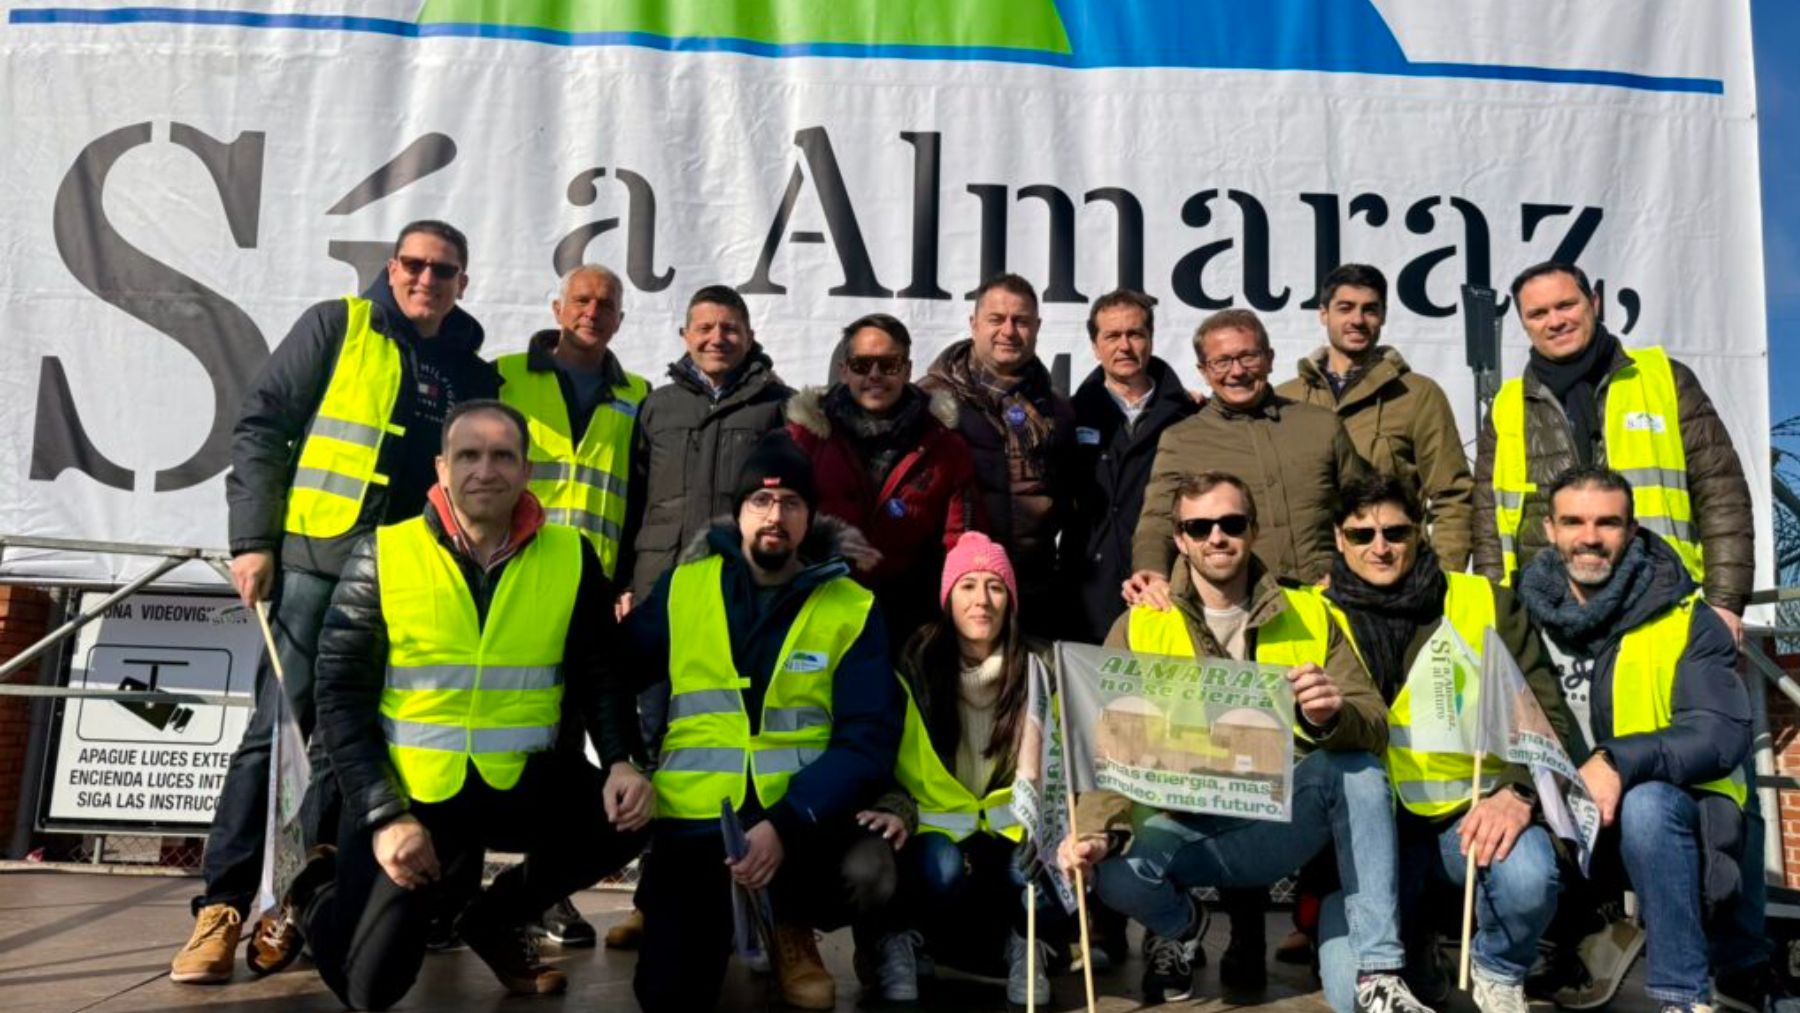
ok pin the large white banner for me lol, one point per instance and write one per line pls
(182, 180)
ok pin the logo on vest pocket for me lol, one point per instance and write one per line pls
(1644, 422)
(807, 661)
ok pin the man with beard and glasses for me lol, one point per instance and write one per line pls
(782, 703)
(1400, 421)
(1401, 610)
(1669, 719)
(1228, 605)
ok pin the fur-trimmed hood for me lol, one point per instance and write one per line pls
(832, 542)
(806, 409)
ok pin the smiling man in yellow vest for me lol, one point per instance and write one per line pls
(455, 643)
(782, 704)
(1669, 718)
(1401, 611)
(338, 434)
(1224, 604)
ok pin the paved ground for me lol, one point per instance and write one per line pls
(102, 943)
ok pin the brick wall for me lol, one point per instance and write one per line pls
(1784, 728)
(24, 616)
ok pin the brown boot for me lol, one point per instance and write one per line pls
(210, 951)
(274, 944)
(627, 933)
(511, 953)
(804, 981)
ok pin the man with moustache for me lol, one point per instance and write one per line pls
(1670, 720)
(582, 408)
(782, 702)
(338, 434)
(1400, 421)
(1020, 431)
(1121, 411)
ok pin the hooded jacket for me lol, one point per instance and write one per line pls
(1294, 457)
(1401, 423)
(866, 710)
(1720, 496)
(265, 443)
(1709, 732)
(1111, 471)
(1361, 723)
(351, 668)
(685, 463)
(913, 517)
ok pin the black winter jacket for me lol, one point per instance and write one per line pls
(686, 460)
(1111, 469)
(352, 663)
(265, 444)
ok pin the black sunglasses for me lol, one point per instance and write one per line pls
(863, 365)
(1201, 528)
(441, 270)
(1395, 534)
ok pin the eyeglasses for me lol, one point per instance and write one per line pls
(886, 365)
(1248, 360)
(440, 270)
(1201, 528)
(770, 502)
(1393, 534)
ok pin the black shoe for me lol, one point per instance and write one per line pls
(1754, 989)
(510, 952)
(1244, 966)
(1169, 968)
(563, 925)
(441, 937)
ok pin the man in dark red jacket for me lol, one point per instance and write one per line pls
(889, 462)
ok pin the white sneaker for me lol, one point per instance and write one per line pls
(1016, 977)
(1491, 995)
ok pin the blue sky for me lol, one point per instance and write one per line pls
(1776, 27)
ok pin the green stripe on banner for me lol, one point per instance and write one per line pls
(1011, 24)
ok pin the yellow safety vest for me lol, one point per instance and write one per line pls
(460, 690)
(583, 485)
(1643, 684)
(709, 751)
(1298, 635)
(946, 806)
(1642, 442)
(342, 446)
(1436, 784)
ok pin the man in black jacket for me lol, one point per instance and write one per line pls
(454, 644)
(1121, 410)
(337, 436)
(1668, 717)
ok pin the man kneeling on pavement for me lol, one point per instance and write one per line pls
(1225, 604)
(453, 644)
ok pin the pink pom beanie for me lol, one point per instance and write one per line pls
(974, 552)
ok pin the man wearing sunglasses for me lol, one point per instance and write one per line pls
(1227, 604)
(338, 434)
(1399, 608)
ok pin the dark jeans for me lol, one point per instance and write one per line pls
(368, 933)
(827, 877)
(965, 897)
(1658, 842)
(1740, 940)
(232, 866)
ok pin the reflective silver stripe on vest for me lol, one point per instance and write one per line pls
(329, 482)
(506, 677)
(1669, 527)
(1433, 791)
(557, 471)
(1400, 736)
(457, 739)
(629, 409)
(586, 522)
(1509, 500)
(1663, 477)
(956, 823)
(793, 719)
(705, 701)
(348, 432)
(1506, 543)
(702, 760)
(1000, 818)
(785, 760)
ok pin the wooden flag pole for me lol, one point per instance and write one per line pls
(1081, 909)
(262, 619)
(1469, 871)
(1031, 950)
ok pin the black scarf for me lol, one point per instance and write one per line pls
(1575, 381)
(1384, 620)
(1582, 629)
(881, 440)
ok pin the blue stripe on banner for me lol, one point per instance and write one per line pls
(1102, 54)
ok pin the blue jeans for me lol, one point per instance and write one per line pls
(231, 866)
(1659, 845)
(1340, 798)
(1739, 938)
(1514, 900)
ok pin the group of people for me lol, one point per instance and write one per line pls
(534, 605)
